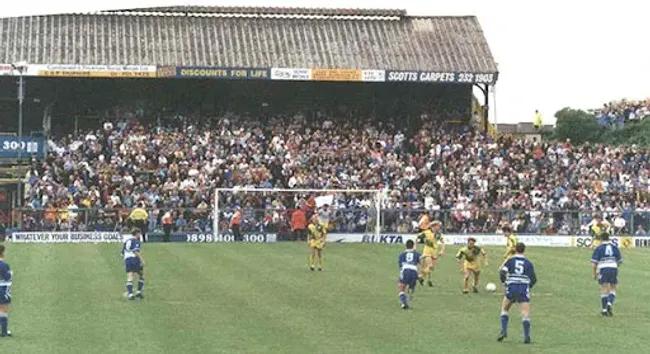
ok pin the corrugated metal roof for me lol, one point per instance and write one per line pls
(409, 43)
(270, 11)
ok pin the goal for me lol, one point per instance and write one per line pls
(269, 211)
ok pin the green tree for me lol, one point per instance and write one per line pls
(577, 125)
(632, 133)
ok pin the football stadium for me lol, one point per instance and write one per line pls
(259, 171)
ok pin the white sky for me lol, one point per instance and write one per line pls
(551, 54)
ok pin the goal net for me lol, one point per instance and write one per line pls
(251, 214)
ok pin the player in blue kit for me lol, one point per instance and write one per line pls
(5, 294)
(519, 277)
(606, 259)
(134, 264)
(408, 263)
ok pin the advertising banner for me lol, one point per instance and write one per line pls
(500, 240)
(455, 239)
(587, 241)
(27, 146)
(95, 71)
(373, 75)
(443, 77)
(369, 238)
(336, 75)
(198, 72)
(66, 237)
(6, 70)
(291, 74)
(166, 71)
(199, 237)
(641, 242)
(485, 240)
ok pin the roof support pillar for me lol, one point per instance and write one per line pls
(486, 109)
(486, 106)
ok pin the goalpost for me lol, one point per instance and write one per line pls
(364, 203)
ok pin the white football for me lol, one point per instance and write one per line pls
(490, 287)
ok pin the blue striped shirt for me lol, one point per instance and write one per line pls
(607, 255)
(518, 270)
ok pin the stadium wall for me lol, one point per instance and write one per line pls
(197, 237)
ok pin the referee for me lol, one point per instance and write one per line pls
(139, 218)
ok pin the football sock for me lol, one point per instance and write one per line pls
(604, 298)
(612, 297)
(402, 297)
(129, 287)
(4, 323)
(140, 285)
(526, 323)
(311, 260)
(504, 322)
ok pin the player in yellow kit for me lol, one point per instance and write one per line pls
(434, 247)
(598, 228)
(470, 264)
(511, 243)
(316, 243)
(424, 223)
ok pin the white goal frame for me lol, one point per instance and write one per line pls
(380, 197)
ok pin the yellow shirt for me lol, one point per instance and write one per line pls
(470, 255)
(316, 237)
(315, 232)
(139, 214)
(431, 240)
(597, 230)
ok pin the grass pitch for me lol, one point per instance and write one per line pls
(261, 298)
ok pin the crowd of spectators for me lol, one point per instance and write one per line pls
(616, 114)
(466, 179)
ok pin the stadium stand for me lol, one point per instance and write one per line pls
(170, 151)
(465, 178)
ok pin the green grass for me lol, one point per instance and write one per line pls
(260, 298)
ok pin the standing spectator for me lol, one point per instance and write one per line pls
(619, 225)
(168, 225)
(538, 120)
(299, 224)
